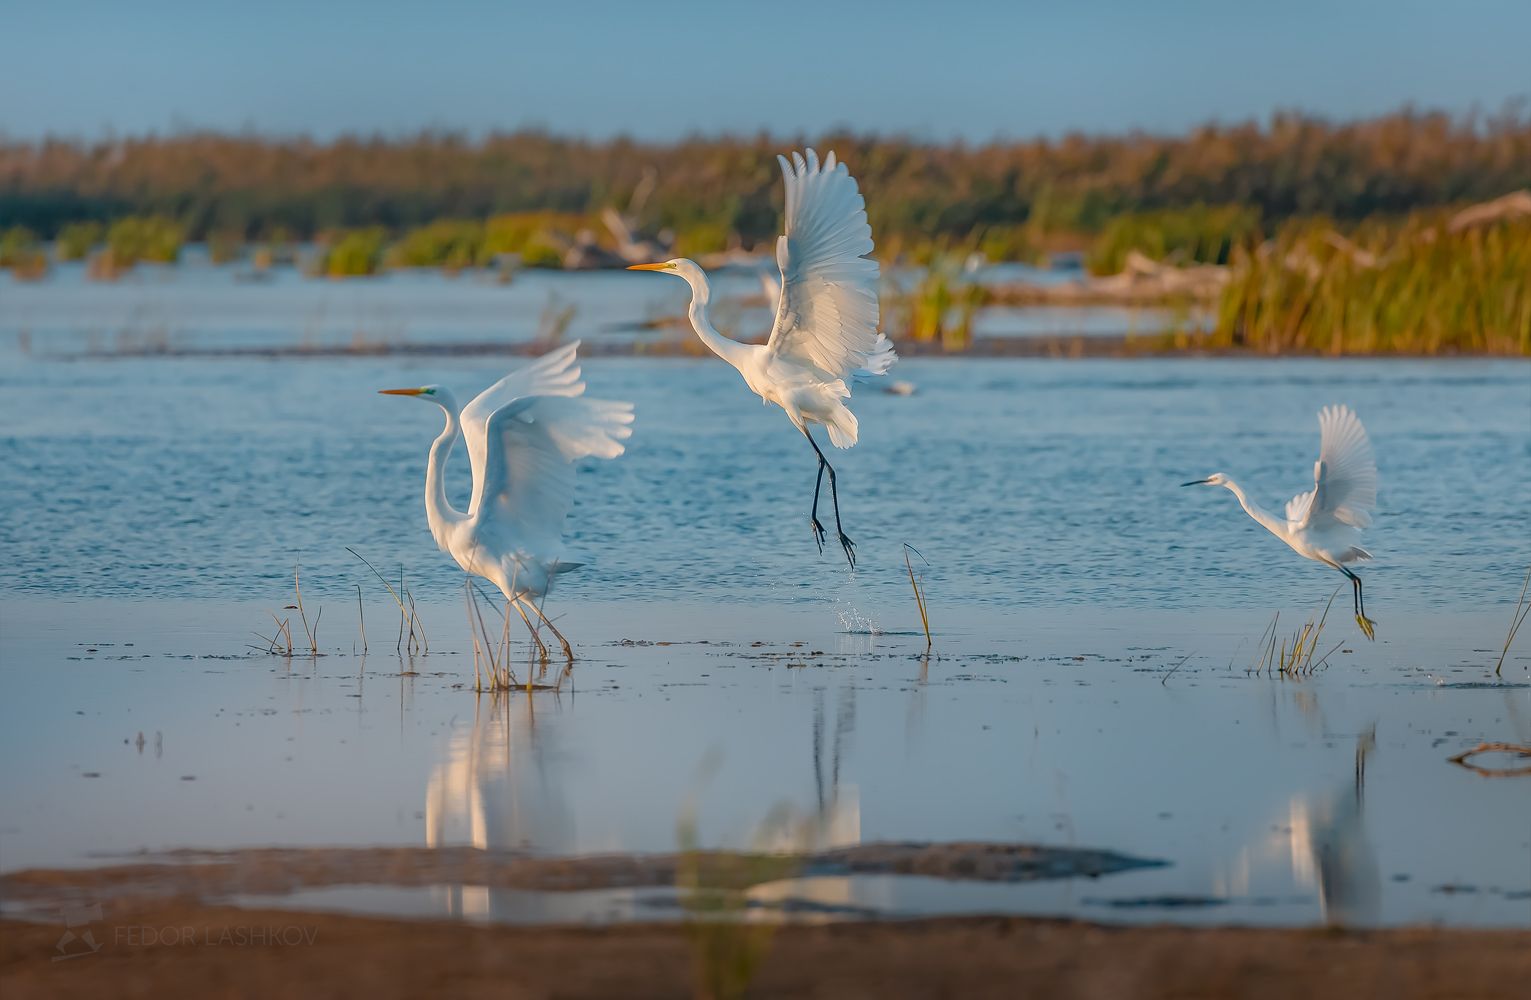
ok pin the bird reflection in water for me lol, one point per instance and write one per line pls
(499, 788)
(834, 821)
(1323, 844)
(1343, 860)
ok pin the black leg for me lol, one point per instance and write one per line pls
(1360, 602)
(834, 496)
(1355, 592)
(813, 517)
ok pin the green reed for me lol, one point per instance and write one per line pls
(940, 307)
(21, 254)
(1198, 234)
(1407, 287)
(453, 244)
(352, 254)
(537, 238)
(1287, 165)
(153, 239)
(76, 240)
(1294, 657)
(728, 948)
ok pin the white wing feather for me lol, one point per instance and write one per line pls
(826, 316)
(523, 435)
(1344, 477)
(528, 481)
(553, 374)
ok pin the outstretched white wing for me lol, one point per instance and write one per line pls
(553, 374)
(826, 316)
(523, 435)
(1344, 477)
(528, 481)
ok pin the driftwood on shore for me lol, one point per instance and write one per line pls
(1142, 281)
(1515, 205)
(633, 246)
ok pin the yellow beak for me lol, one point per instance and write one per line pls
(400, 392)
(662, 266)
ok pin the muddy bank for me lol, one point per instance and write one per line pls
(216, 874)
(223, 951)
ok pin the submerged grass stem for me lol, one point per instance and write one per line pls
(1522, 608)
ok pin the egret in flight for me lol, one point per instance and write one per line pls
(523, 435)
(825, 332)
(1324, 524)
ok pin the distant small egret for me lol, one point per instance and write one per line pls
(523, 433)
(1324, 524)
(826, 315)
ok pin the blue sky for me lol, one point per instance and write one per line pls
(663, 68)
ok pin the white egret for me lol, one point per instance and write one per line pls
(1324, 524)
(523, 433)
(826, 315)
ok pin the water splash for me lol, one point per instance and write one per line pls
(853, 621)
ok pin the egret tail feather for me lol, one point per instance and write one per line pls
(842, 427)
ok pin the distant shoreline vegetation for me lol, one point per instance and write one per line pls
(1295, 235)
(1013, 195)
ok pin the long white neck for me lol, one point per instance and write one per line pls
(701, 295)
(441, 515)
(1275, 525)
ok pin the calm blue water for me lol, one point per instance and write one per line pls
(196, 305)
(1025, 483)
(1040, 726)
(151, 511)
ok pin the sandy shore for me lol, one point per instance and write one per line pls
(161, 926)
(223, 951)
(210, 875)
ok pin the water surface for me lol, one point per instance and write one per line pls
(152, 511)
(1024, 483)
(1269, 801)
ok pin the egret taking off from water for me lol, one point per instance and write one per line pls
(523, 434)
(825, 332)
(1325, 523)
